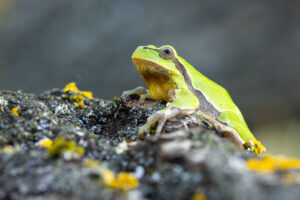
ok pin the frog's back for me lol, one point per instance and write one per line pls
(212, 91)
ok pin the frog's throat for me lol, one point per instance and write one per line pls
(145, 67)
(158, 80)
(204, 105)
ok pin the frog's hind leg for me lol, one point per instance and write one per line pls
(229, 132)
(239, 124)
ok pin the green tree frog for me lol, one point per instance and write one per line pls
(172, 79)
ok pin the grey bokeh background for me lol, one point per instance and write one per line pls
(252, 48)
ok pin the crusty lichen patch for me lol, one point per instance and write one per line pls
(46, 143)
(123, 181)
(91, 163)
(269, 164)
(78, 95)
(291, 178)
(7, 149)
(65, 148)
(200, 162)
(198, 196)
(15, 111)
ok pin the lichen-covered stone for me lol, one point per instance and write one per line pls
(190, 160)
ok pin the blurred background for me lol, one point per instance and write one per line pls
(252, 48)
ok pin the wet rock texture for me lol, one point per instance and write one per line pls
(191, 160)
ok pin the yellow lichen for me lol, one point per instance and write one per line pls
(7, 149)
(123, 181)
(108, 177)
(79, 96)
(72, 87)
(65, 148)
(269, 164)
(80, 104)
(198, 196)
(46, 143)
(291, 179)
(91, 163)
(87, 94)
(15, 111)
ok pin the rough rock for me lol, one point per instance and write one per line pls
(190, 161)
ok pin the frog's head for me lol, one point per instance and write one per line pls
(157, 67)
(158, 59)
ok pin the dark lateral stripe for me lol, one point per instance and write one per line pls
(205, 106)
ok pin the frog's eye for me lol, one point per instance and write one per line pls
(166, 53)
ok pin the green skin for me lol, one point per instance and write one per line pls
(169, 77)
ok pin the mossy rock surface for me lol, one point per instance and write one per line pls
(190, 158)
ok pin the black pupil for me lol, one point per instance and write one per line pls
(167, 51)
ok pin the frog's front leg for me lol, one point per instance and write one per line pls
(185, 103)
(141, 91)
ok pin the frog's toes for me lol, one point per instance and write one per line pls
(161, 117)
(157, 117)
(125, 94)
(142, 130)
(160, 123)
(258, 148)
(143, 97)
(141, 91)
